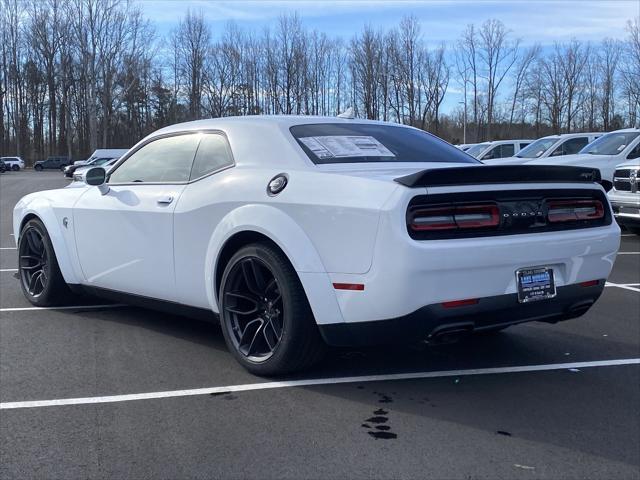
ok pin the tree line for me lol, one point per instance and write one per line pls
(77, 75)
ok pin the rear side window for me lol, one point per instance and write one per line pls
(213, 154)
(165, 160)
(372, 143)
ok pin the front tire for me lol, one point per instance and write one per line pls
(266, 319)
(38, 168)
(40, 277)
(15, 168)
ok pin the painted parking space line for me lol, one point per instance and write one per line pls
(625, 286)
(8, 270)
(628, 253)
(7, 248)
(316, 381)
(66, 307)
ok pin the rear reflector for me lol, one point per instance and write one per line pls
(460, 303)
(590, 283)
(348, 286)
(454, 217)
(573, 210)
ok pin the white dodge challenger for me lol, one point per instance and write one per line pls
(297, 232)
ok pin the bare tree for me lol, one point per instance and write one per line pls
(192, 41)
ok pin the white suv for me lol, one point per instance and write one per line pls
(497, 149)
(13, 163)
(551, 146)
(604, 154)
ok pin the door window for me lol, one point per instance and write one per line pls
(635, 153)
(165, 160)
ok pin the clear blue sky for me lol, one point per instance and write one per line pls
(533, 21)
(543, 21)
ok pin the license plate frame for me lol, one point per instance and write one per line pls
(535, 283)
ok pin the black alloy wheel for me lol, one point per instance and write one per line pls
(266, 319)
(34, 262)
(40, 277)
(253, 306)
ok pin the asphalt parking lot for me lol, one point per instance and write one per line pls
(535, 401)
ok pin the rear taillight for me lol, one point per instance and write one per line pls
(574, 210)
(455, 217)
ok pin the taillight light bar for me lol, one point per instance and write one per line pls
(574, 210)
(455, 217)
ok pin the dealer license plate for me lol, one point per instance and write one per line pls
(535, 284)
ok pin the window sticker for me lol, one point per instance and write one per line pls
(336, 146)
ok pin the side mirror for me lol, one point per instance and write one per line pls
(97, 176)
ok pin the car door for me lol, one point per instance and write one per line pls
(124, 238)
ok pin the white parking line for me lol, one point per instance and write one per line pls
(68, 307)
(7, 248)
(8, 270)
(624, 286)
(317, 381)
(628, 253)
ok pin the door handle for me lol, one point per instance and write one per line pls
(165, 200)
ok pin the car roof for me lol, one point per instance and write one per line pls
(282, 121)
(498, 142)
(625, 130)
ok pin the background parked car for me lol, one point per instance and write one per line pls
(497, 149)
(625, 195)
(465, 146)
(3, 168)
(94, 162)
(551, 146)
(53, 162)
(605, 153)
(102, 153)
(13, 163)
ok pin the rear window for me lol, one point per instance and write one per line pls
(369, 143)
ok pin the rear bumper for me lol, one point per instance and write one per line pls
(430, 321)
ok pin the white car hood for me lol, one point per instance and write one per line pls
(570, 160)
(507, 161)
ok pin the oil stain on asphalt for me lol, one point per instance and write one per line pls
(376, 425)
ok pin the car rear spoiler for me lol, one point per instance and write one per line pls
(440, 177)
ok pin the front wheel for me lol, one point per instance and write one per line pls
(266, 319)
(38, 168)
(40, 277)
(15, 168)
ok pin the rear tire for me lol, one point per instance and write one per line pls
(15, 168)
(40, 277)
(38, 168)
(266, 319)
